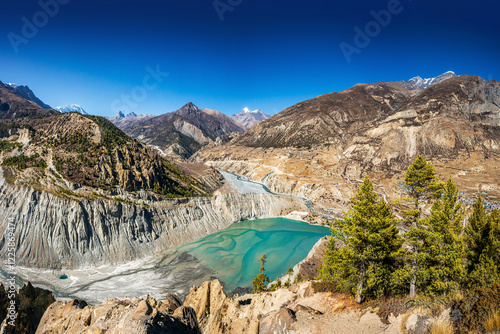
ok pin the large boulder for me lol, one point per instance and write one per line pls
(280, 321)
(138, 316)
(207, 301)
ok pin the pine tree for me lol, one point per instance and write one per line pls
(422, 184)
(481, 234)
(362, 252)
(444, 268)
(495, 223)
(259, 282)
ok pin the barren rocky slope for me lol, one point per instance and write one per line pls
(320, 148)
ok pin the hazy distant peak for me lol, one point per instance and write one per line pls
(425, 83)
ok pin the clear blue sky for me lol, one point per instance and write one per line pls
(263, 54)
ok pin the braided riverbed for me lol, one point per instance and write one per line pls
(234, 253)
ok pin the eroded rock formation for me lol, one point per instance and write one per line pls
(52, 232)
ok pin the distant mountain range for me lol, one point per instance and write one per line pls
(179, 133)
(248, 118)
(27, 93)
(123, 121)
(70, 108)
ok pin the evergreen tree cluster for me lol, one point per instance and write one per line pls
(439, 255)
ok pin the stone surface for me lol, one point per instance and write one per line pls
(280, 321)
(172, 302)
(124, 316)
(282, 311)
(143, 309)
(417, 323)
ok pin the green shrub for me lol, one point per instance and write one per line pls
(7, 146)
(22, 161)
(298, 278)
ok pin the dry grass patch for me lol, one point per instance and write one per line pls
(441, 327)
(492, 322)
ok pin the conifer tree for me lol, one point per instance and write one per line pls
(362, 252)
(483, 247)
(444, 268)
(259, 282)
(422, 184)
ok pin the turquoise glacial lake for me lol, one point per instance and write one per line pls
(234, 253)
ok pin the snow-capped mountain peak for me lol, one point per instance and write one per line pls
(249, 118)
(425, 83)
(246, 110)
(70, 108)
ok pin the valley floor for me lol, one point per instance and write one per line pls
(168, 272)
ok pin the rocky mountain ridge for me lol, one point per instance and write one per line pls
(322, 147)
(27, 93)
(302, 308)
(13, 105)
(181, 132)
(123, 121)
(64, 152)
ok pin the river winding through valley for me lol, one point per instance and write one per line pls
(231, 255)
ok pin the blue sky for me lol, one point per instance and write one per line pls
(263, 54)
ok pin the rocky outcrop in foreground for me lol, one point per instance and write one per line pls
(21, 310)
(138, 316)
(302, 308)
